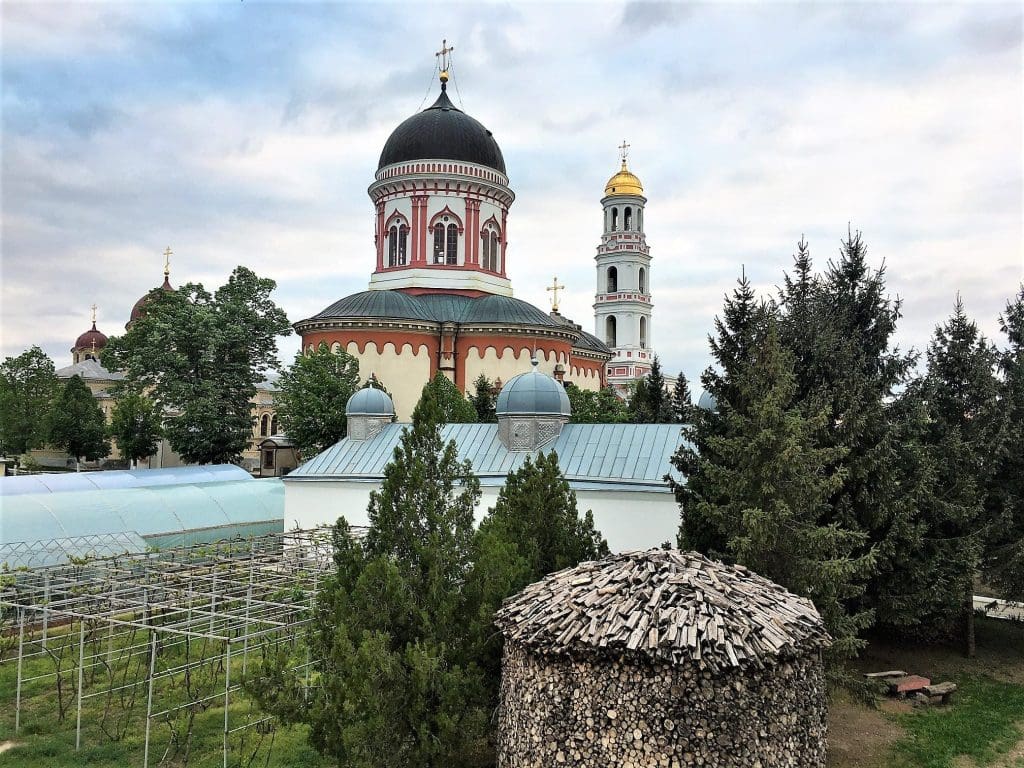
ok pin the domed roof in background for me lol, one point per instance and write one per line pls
(140, 305)
(624, 183)
(437, 307)
(91, 339)
(533, 394)
(707, 402)
(442, 131)
(370, 402)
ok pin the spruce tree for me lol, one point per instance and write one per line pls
(764, 491)
(453, 407)
(483, 400)
(650, 402)
(1004, 556)
(398, 685)
(682, 401)
(77, 425)
(962, 395)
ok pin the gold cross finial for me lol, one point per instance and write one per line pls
(94, 315)
(554, 289)
(624, 152)
(167, 261)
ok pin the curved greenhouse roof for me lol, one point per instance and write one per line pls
(165, 507)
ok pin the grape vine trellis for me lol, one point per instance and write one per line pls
(159, 638)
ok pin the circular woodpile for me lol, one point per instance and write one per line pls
(660, 658)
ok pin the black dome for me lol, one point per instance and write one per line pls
(445, 132)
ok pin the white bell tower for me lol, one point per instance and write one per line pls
(622, 305)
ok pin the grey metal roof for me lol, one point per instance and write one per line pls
(533, 393)
(608, 456)
(88, 369)
(707, 402)
(437, 308)
(370, 402)
(590, 341)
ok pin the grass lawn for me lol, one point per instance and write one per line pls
(983, 726)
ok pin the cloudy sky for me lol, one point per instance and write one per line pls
(247, 133)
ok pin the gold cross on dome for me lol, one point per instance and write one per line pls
(167, 260)
(624, 152)
(554, 289)
(94, 314)
(443, 55)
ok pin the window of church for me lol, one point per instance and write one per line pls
(643, 333)
(610, 331)
(393, 247)
(495, 253)
(613, 280)
(439, 243)
(627, 219)
(452, 255)
(273, 425)
(643, 280)
(490, 248)
(615, 219)
(265, 425)
(403, 245)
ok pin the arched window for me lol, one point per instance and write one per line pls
(403, 244)
(643, 333)
(640, 219)
(273, 425)
(627, 219)
(439, 243)
(393, 246)
(265, 425)
(609, 332)
(452, 255)
(642, 281)
(615, 219)
(490, 247)
(613, 280)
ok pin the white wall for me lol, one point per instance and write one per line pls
(628, 520)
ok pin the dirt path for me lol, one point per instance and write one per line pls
(5, 745)
(859, 737)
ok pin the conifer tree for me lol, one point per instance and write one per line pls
(533, 529)
(1004, 556)
(764, 489)
(483, 400)
(77, 425)
(454, 408)
(398, 686)
(650, 402)
(682, 401)
(961, 391)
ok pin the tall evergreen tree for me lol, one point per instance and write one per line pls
(682, 401)
(651, 402)
(28, 386)
(453, 407)
(200, 356)
(533, 529)
(397, 683)
(764, 491)
(483, 400)
(840, 327)
(136, 426)
(1004, 557)
(77, 424)
(962, 395)
(313, 394)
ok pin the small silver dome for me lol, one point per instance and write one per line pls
(707, 402)
(370, 402)
(533, 393)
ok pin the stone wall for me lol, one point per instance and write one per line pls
(590, 712)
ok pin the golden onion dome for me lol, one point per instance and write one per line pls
(624, 183)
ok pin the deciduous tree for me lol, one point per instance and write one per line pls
(77, 425)
(136, 426)
(200, 356)
(313, 394)
(600, 407)
(454, 408)
(28, 387)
